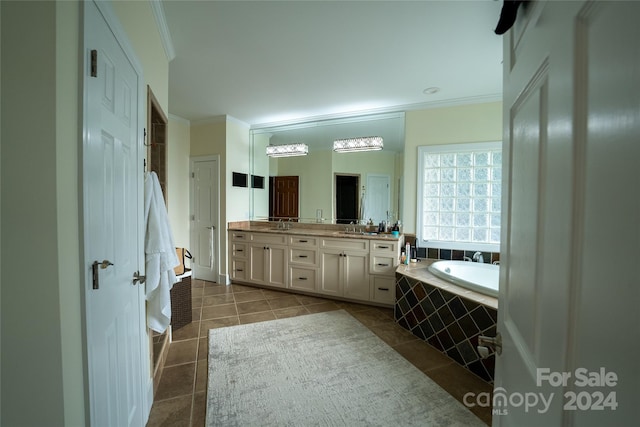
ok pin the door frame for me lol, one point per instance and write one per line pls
(358, 193)
(366, 206)
(217, 242)
(105, 9)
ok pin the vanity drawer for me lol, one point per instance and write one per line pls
(303, 241)
(382, 264)
(303, 256)
(238, 269)
(238, 250)
(384, 246)
(383, 289)
(303, 278)
(277, 239)
(346, 244)
(242, 236)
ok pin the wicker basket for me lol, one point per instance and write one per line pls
(181, 313)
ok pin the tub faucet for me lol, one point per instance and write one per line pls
(477, 257)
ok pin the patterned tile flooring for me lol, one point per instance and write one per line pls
(181, 395)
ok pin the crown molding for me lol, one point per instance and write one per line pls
(219, 119)
(397, 109)
(179, 119)
(163, 29)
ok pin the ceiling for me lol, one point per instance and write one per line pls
(276, 62)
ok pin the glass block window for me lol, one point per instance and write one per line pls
(459, 190)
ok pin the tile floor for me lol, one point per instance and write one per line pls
(181, 395)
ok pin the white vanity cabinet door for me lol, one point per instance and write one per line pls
(356, 277)
(344, 273)
(268, 264)
(331, 272)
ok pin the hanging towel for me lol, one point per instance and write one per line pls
(160, 255)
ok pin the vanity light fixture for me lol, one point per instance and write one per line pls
(288, 150)
(364, 143)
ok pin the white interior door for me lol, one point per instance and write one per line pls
(572, 120)
(377, 197)
(204, 218)
(112, 196)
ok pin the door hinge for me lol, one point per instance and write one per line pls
(193, 217)
(193, 174)
(94, 63)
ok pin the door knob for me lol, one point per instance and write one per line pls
(138, 278)
(488, 344)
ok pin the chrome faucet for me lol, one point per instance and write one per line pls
(477, 257)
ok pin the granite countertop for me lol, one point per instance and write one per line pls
(420, 271)
(315, 231)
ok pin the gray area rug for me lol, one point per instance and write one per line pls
(323, 369)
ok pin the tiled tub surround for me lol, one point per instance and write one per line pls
(459, 255)
(446, 316)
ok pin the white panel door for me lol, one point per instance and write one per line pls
(377, 198)
(204, 219)
(570, 217)
(112, 193)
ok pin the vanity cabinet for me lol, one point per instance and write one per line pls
(303, 263)
(344, 268)
(239, 260)
(268, 259)
(357, 269)
(385, 257)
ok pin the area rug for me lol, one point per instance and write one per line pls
(323, 369)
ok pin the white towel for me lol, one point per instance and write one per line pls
(160, 255)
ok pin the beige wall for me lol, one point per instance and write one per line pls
(208, 138)
(466, 123)
(178, 179)
(40, 234)
(261, 167)
(139, 23)
(41, 237)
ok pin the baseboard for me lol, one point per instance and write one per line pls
(224, 279)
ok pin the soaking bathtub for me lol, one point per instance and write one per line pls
(475, 276)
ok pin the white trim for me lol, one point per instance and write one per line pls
(105, 9)
(398, 109)
(219, 235)
(179, 119)
(163, 29)
(219, 119)
(322, 120)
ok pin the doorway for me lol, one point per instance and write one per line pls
(347, 205)
(284, 197)
(205, 205)
(156, 142)
(378, 198)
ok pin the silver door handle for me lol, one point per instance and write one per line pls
(138, 278)
(212, 227)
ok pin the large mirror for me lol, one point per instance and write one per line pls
(326, 186)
